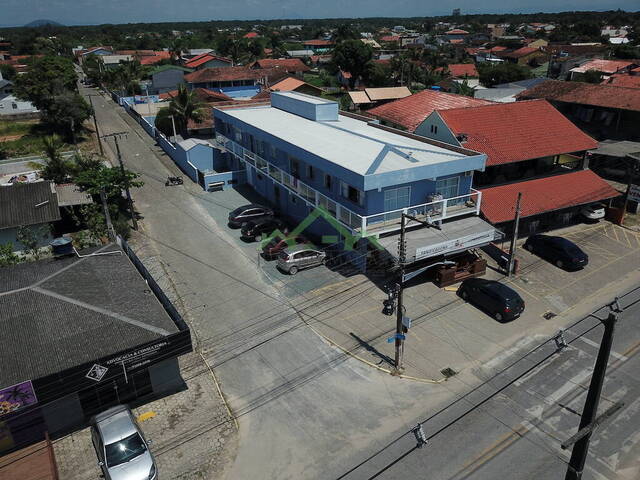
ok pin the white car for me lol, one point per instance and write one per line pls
(593, 212)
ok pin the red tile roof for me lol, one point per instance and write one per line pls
(153, 59)
(318, 43)
(608, 96)
(456, 41)
(604, 66)
(459, 70)
(409, 112)
(456, 31)
(228, 74)
(514, 132)
(251, 35)
(204, 58)
(629, 81)
(544, 195)
(203, 94)
(390, 38)
(288, 64)
(520, 52)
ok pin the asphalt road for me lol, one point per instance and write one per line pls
(306, 410)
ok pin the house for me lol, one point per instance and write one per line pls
(531, 148)
(111, 62)
(91, 331)
(207, 60)
(603, 111)
(409, 113)
(390, 39)
(343, 176)
(623, 80)
(167, 77)
(536, 42)
(507, 92)
(455, 34)
(204, 95)
(233, 77)
(375, 96)
(157, 57)
(292, 66)
(33, 205)
(604, 67)
(251, 35)
(531, 56)
(291, 84)
(318, 45)
(460, 70)
(371, 42)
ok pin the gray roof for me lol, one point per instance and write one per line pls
(4, 82)
(62, 313)
(69, 194)
(617, 148)
(503, 95)
(527, 83)
(28, 204)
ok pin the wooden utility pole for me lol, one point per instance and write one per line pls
(95, 123)
(588, 419)
(400, 308)
(514, 237)
(115, 136)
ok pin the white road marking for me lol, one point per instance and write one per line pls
(597, 346)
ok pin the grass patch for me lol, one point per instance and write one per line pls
(16, 128)
(30, 143)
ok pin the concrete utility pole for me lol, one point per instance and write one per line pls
(514, 238)
(107, 215)
(173, 123)
(126, 186)
(95, 123)
(400, 308)
(588, 419)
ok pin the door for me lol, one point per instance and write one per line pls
(448, 188)
(249, 174)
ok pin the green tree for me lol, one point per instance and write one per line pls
(590, 76)
(47, 77)
(466, 90)
(183, 107)
(345, 31)
(379, 75)
(354, 57)
(67, 111)
(31, 237)
(57, 169)
(7, 256)
(8, 72)
(491, 75)
(111, 179)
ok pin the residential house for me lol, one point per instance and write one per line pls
(531, 148)
(603, 111)
(536, 42)
(33, 205)
(455, 34)
(291, 84)
(251, 35)
(604, 67)
(301, 153)
(371, 42)
(507, 92)
(292, 66)
(390, 39)
(207, 60)
(111, 62)
(411, 112)
(524, 56)
(623, 80)
(234, 79)
(168, 77)
(460, 70)
(610, 31)
(318, 45)
(369, 97)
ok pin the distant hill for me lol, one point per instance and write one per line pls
(42, 23)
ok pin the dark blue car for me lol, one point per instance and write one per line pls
(557, 250)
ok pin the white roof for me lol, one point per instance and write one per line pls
(347, 142)
(189, 143)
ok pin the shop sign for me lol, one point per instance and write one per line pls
(463, 243)
(17, 396)
(634, 193)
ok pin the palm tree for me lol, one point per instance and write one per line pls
(465, 89)
(183, 107)
(57, 169)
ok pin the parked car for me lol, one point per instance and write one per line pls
(255, 229)
(501, 302)
(557, 250)
(123, 453)
(593, 212)
(292, 259)
(272, 249)
(249, 212)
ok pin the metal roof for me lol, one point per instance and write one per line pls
(69, 194)
(28, 204)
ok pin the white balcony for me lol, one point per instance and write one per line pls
(375, 224)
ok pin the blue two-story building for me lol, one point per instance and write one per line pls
(301, 153)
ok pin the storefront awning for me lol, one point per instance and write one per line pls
(455, 236)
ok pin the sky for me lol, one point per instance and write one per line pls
(92, 12)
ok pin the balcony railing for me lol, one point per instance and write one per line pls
(365, 225)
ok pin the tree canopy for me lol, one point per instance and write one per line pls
(47, 77)
(353, 56)
(491, 75)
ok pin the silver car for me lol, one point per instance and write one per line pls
(123, 453)
(292, 259)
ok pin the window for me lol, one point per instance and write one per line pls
(310, 172)
(295, 167)
(397, 198)
(272, 151)
(434, 129)
(14, 106)
(447, 187)
(352, 193)
(327, 181)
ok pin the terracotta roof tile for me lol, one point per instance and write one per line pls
(609, 96)
(604, 66)
(456, 31)
(204, 58)
(409, 112)
(514, 132)
(227, 74)
(459, 70)
(520, 52)
(629, 81)
(544, 195)
(288, 64)
(318, 43)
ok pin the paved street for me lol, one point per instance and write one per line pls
(308, 410)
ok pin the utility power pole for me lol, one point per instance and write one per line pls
(95, 123)
(588, 419)
(402, 247)
(173, 123)
(126, 185)
(512, 248)
(107, 215)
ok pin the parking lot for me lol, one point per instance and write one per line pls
(345, 306)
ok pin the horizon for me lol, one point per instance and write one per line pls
(117, 12)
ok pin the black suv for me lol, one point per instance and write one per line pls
(255, 229)
(246, 213)
(501, 302)
(557, 250)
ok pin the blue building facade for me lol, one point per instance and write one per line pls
(300, 153)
